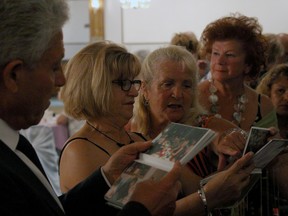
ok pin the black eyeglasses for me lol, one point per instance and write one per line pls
(127, 84)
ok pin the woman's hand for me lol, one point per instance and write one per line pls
(230, 146)
(226, 187)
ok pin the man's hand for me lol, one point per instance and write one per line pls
(122, 158)
(159, 197)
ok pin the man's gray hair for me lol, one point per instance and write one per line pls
(27, 27)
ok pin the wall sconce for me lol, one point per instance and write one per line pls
(96, 20)
(135, 4)
(95, 4)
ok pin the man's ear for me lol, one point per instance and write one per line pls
(11, 73)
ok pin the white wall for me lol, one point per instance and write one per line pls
(153, 27)
(77, 30)
(150, 28)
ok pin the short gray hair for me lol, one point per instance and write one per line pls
(27, 27)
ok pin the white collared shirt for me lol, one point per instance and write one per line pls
(10, 137)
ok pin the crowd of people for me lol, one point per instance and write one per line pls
(232, 78)
(31, 53)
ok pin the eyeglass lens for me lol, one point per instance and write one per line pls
(127, 84)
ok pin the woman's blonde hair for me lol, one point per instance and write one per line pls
(88, 90)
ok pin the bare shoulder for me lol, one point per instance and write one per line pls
(76, 147)
(266, 105)
(84, 155)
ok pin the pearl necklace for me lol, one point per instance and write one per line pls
(239, 107)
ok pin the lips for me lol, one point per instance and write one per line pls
(174, 106)
(220, 71)
(130, 103)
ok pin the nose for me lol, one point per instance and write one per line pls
(133, 91)
(177, 92)
(285, 96)
(221, 59)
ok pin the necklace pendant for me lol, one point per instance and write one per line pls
(217, 115)
(243, 99)
(214, 109)
(239, 107)
(212, 89)
(213, 98)
(242, 108)
(237, 116)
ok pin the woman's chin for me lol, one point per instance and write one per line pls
(175, 118)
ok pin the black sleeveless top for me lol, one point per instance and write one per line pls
(104, 150)
(258, 116)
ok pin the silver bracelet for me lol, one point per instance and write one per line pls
(204, 200)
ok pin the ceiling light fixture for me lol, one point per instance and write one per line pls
(135, 4)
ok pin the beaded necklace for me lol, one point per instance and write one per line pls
(239, 107)
(117, 143)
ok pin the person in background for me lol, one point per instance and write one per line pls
(188, 40)
(274, 84)
(169, 93)
(237, 50)
(275, 51)
(42, 138)
(100, 90)
(283, 37)
(31, 50)
(191, 43)
(62, 118)
(72, 124)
